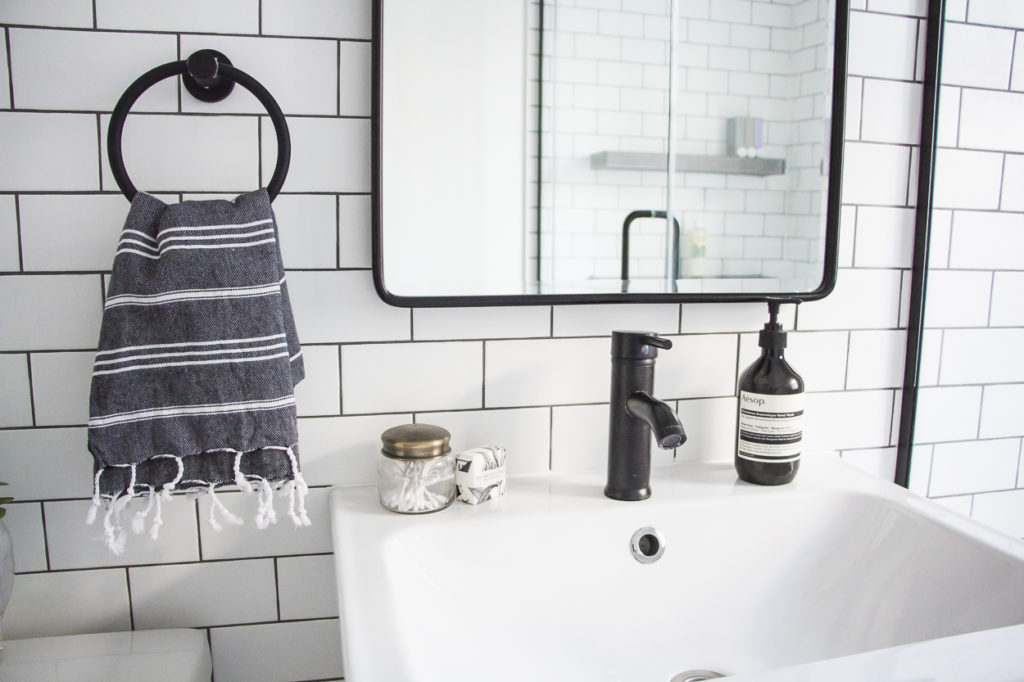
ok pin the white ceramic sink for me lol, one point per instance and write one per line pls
(542, 584)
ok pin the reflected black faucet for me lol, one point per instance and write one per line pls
(635, 414)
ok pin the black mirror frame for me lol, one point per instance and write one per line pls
(833, 204)
(922, 238)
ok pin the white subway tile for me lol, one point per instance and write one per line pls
(16, 399)
(1004, 511)
(96, 67)
(976, 56)
(67, 13)
(9, 247)
(320, 392)
(710, 425)
(71, 232)
(961, 504)
(1000, 411)
(328, 154)
(354, 79)
(308, 230)
(524, 433)
(75, 545)
(956, 10)
(875, 174)
(986, 241)
(72, 305)
(332, 307)
(408, 377)
(847, 227)
(917, 8)
(1017, 69)
(880, 462)
(203, 594)
(892, 112)
(920, 469)
(947, 413)
(854, 95)
(974, 467)
(948, 124)
(967, 179)
(67, 141)
(25, 523)
(5, 81)
(72, 603)
(885, 237)
(957, 298)
(344, 450)
(277, 652)
(818, 357)
(306, 587)
(876, 359)
(699, 318)
(862, 299)
(847, 420)
(931, 352)
(173, 153)
(547, 371)
(996, 13)
(193, 16)
(29, 458)
(480, 323)
(600, 320)
(1013, 177)
(982, 356)
(989, 120)
(279, 539)
(342, 19)
(882, 46)
(1007, 294)
(698, 366)
(354, 231)
(60, 385)
(274, 62)
(938, 244)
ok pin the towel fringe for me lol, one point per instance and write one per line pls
(265, 514)
(215, 505)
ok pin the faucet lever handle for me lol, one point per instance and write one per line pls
(657, 341)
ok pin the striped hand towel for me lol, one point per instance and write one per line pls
(193, 384)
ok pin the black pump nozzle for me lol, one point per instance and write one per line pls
(772, 337)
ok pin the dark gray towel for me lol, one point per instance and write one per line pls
(193, 384)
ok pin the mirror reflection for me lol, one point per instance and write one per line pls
(675, 147)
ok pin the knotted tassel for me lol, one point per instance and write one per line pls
(216, 504)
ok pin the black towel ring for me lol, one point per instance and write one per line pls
(208, 76)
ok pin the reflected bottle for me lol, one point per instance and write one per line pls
(770, 415)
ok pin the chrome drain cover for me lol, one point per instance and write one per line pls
(697, 676)
(647, 546)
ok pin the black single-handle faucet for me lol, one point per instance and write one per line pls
(635, 414)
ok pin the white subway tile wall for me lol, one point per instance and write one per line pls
(533, 379)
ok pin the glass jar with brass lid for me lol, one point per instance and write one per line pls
(416, 473)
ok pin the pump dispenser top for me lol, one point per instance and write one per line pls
(772, 337)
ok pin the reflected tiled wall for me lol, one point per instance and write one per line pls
(533, 378)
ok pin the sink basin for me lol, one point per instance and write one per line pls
(543, 584)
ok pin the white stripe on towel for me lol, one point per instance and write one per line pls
(136, 368)
(143, 356)
(198, 246)
(189, 410)
(221, 342)
(193, 295)
(217, 227)
(209, 237)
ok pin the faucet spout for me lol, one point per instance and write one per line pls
(668, 430)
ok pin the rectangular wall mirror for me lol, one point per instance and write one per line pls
(530, 152)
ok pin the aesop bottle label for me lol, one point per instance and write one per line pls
(771, 427)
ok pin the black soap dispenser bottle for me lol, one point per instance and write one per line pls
(769, 420)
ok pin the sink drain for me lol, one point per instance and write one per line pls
(647, 546)
(696, 676)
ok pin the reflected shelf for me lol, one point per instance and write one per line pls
(687, 163)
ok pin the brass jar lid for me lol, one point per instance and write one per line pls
(415, 441)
